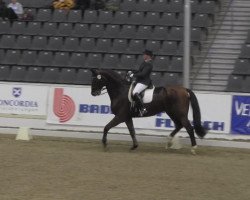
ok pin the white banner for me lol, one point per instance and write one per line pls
(215, 111)
(23, 99)
(76, 106)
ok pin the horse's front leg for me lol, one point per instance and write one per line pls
(114, 122)
(131, 129)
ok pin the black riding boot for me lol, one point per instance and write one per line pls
(140, 105)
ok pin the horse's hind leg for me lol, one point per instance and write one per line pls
(171, 137)
(131, 129)
(178, 127)
(190, 130)
(114, 122)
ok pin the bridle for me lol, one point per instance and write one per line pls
(104, 87)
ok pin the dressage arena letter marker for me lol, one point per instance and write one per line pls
(64, 106)
(23, 134)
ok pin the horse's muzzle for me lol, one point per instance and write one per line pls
(95, 93)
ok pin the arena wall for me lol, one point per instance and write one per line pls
(71, 111)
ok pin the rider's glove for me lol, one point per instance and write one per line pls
(130, 74)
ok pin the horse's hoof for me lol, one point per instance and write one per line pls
(104, 146)
(104, 143)
(169, 144)
(134, 147)
(193, 150)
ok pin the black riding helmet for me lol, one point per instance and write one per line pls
(148, 52)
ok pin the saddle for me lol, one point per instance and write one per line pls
(146, 95)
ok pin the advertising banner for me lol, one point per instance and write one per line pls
(23, 99)
(76, 106)
(240, 123)
(215, 113)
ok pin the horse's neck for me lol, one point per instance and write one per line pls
(115, 85)
(115, 89)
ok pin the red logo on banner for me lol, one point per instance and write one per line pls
(64, 106)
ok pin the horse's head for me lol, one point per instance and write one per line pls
(98, 82)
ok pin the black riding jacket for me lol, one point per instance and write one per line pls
(143, 73)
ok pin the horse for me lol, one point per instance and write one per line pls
(174, 100)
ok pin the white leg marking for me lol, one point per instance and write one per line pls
(193, 149)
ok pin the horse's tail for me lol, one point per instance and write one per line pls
(199, 129)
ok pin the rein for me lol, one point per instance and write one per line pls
(104, 88)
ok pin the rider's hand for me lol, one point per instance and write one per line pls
(130, 74)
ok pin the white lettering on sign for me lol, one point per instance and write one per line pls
(248, 124)
(242, 109)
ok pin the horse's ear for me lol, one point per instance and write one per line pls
(94, 71)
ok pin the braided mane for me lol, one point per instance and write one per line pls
(111, 74)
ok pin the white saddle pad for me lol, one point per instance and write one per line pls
(147, 97)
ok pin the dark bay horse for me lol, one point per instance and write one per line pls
(174, 100)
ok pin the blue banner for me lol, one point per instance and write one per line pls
(240, 123)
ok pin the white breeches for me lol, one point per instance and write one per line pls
(139, 88)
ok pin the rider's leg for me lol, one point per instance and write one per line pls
(137, 90)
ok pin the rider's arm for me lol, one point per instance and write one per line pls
(146, 70)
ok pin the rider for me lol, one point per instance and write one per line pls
(142, 77)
